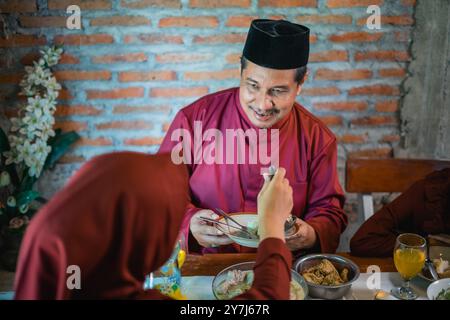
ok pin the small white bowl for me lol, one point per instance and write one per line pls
(436, 287)
(244, 219)
(248, 220)
(248, 266)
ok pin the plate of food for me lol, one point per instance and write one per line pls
(238, 278)
(249, 220)
(439, 290)
(440, 256)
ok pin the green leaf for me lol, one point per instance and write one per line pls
(26, 197)
(27, 182)
(60, 144)
(4, 146)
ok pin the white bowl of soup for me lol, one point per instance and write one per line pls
(238, 278)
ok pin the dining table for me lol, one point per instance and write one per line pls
(212, 264)
(198, 272)
(377, 276)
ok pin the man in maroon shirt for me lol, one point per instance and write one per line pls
(262, 115)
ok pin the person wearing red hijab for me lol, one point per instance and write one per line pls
(117, 220)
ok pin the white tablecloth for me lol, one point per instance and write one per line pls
(200, 287)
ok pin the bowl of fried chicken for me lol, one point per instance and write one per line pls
(328, 276)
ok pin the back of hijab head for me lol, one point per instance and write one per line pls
(117, 219)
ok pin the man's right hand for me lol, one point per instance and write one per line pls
(206, 234)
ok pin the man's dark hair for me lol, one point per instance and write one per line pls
(299, 72)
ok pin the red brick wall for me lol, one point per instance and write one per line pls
(135, 63)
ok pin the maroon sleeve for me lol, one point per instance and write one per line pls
(376, 237)
(181, 126)
(272, 272)
(326, 199)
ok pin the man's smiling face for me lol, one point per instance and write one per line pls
(267, 95)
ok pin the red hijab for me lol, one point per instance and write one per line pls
(117, 219)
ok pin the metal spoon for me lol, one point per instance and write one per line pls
(430, 265)
(219, 222)
(243, 228)
(290, 222)
(226, 225)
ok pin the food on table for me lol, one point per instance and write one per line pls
(296, 291)
(325, 273)
(253, 226)
(238, 281)
(442, 267)
(443, 295)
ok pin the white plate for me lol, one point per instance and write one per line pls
(436, 287)
(435, 253)
(244, 219)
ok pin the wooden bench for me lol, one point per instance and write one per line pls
(364, 176)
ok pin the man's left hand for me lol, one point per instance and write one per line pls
(305, 237)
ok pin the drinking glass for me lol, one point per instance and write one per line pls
(409, 259)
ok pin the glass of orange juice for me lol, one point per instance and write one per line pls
(409, 259)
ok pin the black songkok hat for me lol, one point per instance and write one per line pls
(277, 44)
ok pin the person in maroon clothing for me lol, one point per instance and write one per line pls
(273, 70)
(423, 209)
(118, 219)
